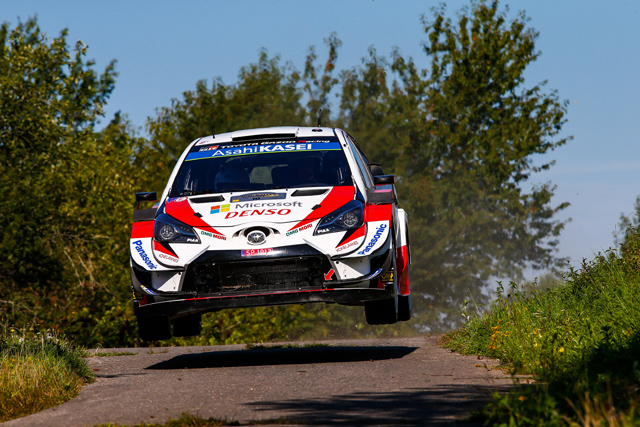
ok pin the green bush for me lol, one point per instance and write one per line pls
(579, 340)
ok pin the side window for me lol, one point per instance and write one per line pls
(362, 163)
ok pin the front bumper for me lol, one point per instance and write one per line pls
(221, 279)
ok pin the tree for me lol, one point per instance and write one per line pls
(628, 226)
(49, 103)
(68, 190)
(461, 137)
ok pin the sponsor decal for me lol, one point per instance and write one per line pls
(253, 212)
(165, 248)
(246, 144)
(295, 230)
(176, 199)
(387, 277)
(215, 236)
(167, 257)
(214, 147)
(254, 252)
(351, 235)
(147, 290)
(260, 149)
(258, 196)
(374, 240)
(268, 205)
(219, 208)
(347, 246)
(138, 246)
(319, 140)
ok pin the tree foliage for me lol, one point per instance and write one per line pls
(49, 101)
(460, 135)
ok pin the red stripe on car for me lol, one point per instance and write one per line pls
(378, 213)
(183, 211)
(402, 264)
(337, 197)
(165, 250)
(142, 229)
(355, 235)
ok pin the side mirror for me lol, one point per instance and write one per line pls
(150, 196)
(384, 179)
(375, 169)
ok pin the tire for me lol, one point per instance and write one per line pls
(385, 311)
(187, 326)
(404, 307)
(154, 328)
(381, 312)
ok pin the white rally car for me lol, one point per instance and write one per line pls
(283, 215)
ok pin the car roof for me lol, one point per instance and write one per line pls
(280, 132)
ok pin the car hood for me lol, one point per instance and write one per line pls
(298, 206)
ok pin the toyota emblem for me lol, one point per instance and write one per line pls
(256, 237)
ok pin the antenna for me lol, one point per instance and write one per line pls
(320, 117)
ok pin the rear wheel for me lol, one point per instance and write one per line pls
(154, 328)
(187, 326)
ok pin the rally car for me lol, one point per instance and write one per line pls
(283, 215)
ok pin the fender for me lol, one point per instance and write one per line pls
(403, 253)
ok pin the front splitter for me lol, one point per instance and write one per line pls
(199, 305)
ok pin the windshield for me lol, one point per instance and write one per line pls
(261, 166)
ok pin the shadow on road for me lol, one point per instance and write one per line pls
(440, 405)
(282, 356)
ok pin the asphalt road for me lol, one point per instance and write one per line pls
(408, 381)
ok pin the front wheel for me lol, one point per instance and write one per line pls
(154, 328)
(404, 307)
(381, 312)
(187, 326)
(384, 311)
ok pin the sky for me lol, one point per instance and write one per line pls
(590, 55)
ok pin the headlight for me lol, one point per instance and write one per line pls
(348, 217)
(169, 230)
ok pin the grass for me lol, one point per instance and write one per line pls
(188, 420)
(282, 346)
(185, 420)
(37, 371)
(580, 341)
(106, 354)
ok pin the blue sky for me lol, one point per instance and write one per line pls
(590, 55)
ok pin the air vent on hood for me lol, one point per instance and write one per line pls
(314, 192)
(208, 199)
(266, 137)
